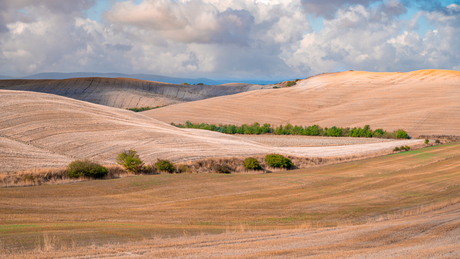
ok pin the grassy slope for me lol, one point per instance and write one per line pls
(145, 206)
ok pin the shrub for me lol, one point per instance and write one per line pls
(437, 141)
(401, 134)
(148, 169)
(396, 149)
(291, 83)
(279, 161)
(427, 141)
(130, 161)
(407, 148)
(183, 168)
(86, 168)
(222, 169)
(252, 164)
(165, 166)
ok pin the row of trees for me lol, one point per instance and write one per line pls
(289, 129)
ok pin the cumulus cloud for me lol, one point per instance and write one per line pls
(225, 38)
(364, 38)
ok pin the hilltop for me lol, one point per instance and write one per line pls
(420, 102)
(126, 92)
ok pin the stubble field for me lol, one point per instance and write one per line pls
(405, 200)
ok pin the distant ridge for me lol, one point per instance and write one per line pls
(126, 92)
(156, 78)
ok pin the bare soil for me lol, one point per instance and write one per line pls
(309, 141)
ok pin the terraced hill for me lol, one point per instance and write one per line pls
(125, 92)
(44, 130)
(421, 102)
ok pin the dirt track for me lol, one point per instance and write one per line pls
(420, 102)
(126, 93)
(62, 129)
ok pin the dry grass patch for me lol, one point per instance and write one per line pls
(132, 209)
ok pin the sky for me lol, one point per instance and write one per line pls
(228, 39)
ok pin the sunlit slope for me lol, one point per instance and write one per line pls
(421, 102)
(124, 92)
(59, 129)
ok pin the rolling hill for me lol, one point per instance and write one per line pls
(420, 102)
(44, 130)
(125, 92)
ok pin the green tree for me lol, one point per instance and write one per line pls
(279, 161)
(130, 161)
(401, 134)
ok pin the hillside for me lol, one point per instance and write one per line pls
(44, 130)
(404, 205)
(125, 92)
(421, 102)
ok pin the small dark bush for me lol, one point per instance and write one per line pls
(396, 149)
(276, 87)
(85, 168)
(252, 164)
(183, 168)
(222, 169)
(130, 161)
(407, 148)
(437, 141)
(427, 141)
(279, 161)
(165, 166)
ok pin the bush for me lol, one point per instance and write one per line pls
(401, 134)
(130, 161)
(222, 169)
(291, 83)
(407, 148)
(183, 168)
(396, 149)
(148, 169)
(279, 161)
(251, 164)
(86, 168)
(437, 141)
(165, 166)
(427, 141)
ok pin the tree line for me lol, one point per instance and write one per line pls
(289, 129)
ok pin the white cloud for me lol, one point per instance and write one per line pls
(223, 38)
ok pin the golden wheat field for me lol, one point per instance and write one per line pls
(404, 205)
